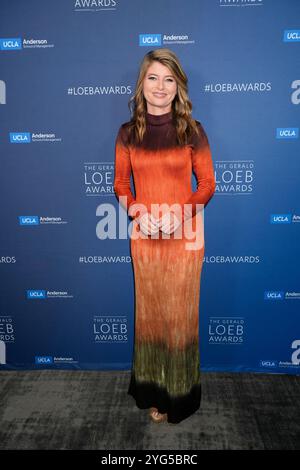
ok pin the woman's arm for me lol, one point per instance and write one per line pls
(122, 176)
(204, 170)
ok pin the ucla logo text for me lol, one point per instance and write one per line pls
(281, 218)
(291, 35)
(10, 44)
(273, 295)
(36, 294)
(268, 363)
(43, 359)
(19, 137)
(29, 220)
(287, 133)
(150, 39)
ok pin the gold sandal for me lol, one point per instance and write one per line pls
(156, 416)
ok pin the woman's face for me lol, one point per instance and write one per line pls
(159, 88)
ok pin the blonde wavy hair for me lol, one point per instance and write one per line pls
(181, 104)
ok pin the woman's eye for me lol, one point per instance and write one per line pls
(168, 79)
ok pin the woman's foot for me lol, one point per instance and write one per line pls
(156, 416)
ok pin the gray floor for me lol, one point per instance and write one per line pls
(53, 409)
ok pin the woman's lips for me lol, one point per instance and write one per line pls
(159, 95)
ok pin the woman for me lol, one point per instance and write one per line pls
(161, 145)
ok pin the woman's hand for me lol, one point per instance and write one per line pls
(148, 224)
(169, 222)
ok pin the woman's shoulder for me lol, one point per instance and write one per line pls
(125, 127)
(200, 127)
(124, 133)
(199, 139)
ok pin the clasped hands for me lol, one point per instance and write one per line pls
(149, 225)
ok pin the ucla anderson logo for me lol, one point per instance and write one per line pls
(10, 44)
(291, 35)
(266, 363)
(29, 220)
(287, 133)
(36, 294)
(44, 360)
(19, 137)
(281, 218)
(274, 295)
(150, 39)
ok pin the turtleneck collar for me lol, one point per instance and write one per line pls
(157, 120)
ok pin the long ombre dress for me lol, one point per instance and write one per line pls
(167, 268)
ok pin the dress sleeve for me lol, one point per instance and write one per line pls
(203, 168)
(123, 171)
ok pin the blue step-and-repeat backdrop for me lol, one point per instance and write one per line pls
(67, 71)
